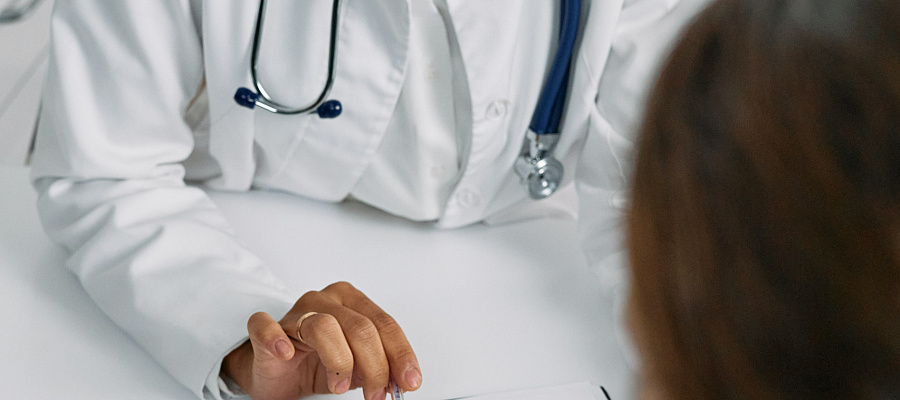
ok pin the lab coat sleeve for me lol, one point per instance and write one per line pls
(644, 34)
(154, 254)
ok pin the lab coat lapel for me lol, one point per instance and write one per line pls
(596, 37)
(326, 159)
(504, 46)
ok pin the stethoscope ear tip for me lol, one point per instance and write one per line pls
(250, 99)
(330, 109)
(246, 97)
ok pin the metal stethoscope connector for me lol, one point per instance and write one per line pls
(540, 171)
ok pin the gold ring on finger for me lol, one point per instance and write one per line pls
(300, 323)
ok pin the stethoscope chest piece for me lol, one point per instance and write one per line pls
(544, 178)
(540, 171)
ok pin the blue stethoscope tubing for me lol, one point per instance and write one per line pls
(539, 170)
(549, 109)
(322, 106)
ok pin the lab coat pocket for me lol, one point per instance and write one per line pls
(608, 156)
(602, 185)
(276, 139)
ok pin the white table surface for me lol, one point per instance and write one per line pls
(487, 309)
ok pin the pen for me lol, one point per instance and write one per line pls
(396, 394)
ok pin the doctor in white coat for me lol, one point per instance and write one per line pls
(437, 97)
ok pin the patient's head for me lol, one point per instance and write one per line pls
(765, 225)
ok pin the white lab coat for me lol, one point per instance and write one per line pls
(115, 145)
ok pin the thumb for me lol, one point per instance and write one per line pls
(268, 339)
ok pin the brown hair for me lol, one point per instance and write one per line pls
(764, 232)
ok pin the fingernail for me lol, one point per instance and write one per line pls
(413, 378)
(283, 348)
(342, 386)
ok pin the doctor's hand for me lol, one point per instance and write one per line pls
(347, 342)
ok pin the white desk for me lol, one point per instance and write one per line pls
(482, 306)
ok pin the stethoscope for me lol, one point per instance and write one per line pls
(540, 171)
(325, 108)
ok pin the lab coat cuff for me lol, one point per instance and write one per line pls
(219, 387)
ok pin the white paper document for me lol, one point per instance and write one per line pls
(573, 391)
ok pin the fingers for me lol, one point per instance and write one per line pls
(404, 364)
(324, 334)
(348, 340)
(371, 361)
(402, 361)
(356, 341)
(268, 338)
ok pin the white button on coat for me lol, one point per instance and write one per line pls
(497, 109)
(468, 199)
